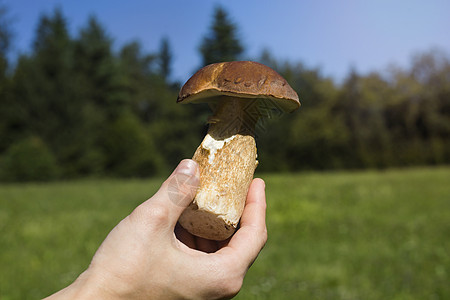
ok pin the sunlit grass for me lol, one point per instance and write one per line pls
(342, 235)
(362, 235)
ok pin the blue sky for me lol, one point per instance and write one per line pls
(332, 35)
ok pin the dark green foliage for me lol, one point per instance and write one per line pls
(165, 58)
(6, 37)
(135, 154)
(221, 43)
(97, 70)
(28, 159)
(138, 80)
(368, 122)
(96, 111)
(5, 40)
(47, 100)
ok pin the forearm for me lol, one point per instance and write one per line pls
(84, 287)
(94, 285)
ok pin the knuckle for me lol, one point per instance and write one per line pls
(233, 283)
(233, 287)
(228, 287)
(151, 215)
(157, 214)
(264, 236)
(227, 281)
(260, 236)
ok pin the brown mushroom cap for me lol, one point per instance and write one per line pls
(243, 79)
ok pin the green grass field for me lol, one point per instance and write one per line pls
(337, 235)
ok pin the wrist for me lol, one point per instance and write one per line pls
(86, 286)
(94, 285)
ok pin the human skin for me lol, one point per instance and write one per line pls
(149, 256)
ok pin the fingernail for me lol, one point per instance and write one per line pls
(263, 182)
(187, 167)
(183, 185)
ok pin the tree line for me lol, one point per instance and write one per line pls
(74, 107)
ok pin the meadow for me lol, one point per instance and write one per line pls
(332, 235)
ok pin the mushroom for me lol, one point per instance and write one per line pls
(239, 93)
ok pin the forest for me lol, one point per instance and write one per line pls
(80, 106)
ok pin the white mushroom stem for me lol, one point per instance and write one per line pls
(227, 161)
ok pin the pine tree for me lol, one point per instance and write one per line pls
(98, 71)
(221, 43)
(44, 80)
(44, 103)
(165, 58)
(102, 88)
(5, 43)
(5, 40)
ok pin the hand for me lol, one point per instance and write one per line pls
(148, 256)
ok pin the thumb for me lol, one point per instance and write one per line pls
(178, 191)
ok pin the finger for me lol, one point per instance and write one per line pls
(222, 244)
(254, 214)
(251, 237)
(205, 245)
(176, 193)
(184, 236)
